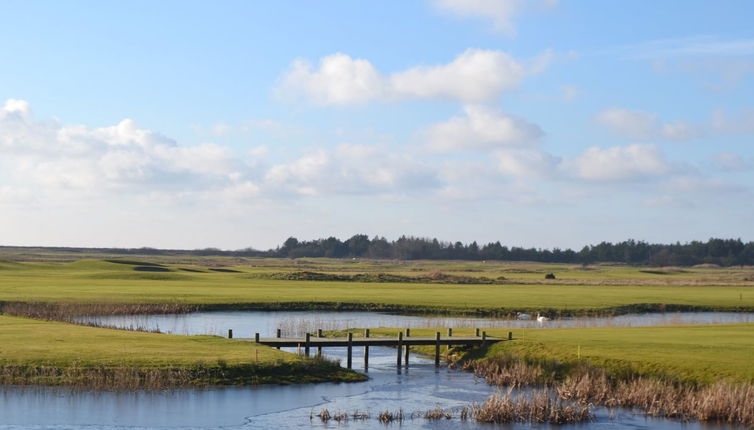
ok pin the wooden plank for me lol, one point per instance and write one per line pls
(372, 341)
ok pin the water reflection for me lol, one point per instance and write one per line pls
(246, 323)
(417, 389)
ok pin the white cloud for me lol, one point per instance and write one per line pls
(480, 128)
(741, 123)
(525, 163)
(476, 75)
(352, 169)
(645, 125)
(732, 162)
(339, 79)
(123, 156)
(500, 12)
(618, 163)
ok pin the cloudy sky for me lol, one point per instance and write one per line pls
(233, 124)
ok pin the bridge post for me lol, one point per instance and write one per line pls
(450, 331)
(510, 335)
(407, 347)
(437, 349)
(308, 344)
(350, 349)
(484, 338)
(408, 332)
(319, 347)
(366, 350)
(400, 349)
(279, 335)
(230, 333)
(476, 333)
(256, 337)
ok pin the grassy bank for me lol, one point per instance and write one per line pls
(52, 353)
(698, 354)
(683, 372)
(254, 287)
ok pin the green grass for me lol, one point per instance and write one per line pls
(71, 350)
(98, 281)
(699, 354)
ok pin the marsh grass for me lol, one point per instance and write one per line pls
(67, 312)
(387, 417)
(721, 402)
(535, 407)
(325, 416)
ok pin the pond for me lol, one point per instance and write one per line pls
(292, 323)
(420, 388)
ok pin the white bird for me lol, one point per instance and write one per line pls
(541, 319)
(523, 316)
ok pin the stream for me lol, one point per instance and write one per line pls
(414, 391)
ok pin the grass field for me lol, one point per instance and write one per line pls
(60, 353)
(33, 351)
(124, 281)
(699, 354)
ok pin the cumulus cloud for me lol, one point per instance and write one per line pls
(619, 163)
(645, 125)
(527, 163)
(480, 128)
(476, 75)
(352, 169)
(53, 155)
(500, 12)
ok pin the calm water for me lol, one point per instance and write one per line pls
(418, 389)
(246, 323)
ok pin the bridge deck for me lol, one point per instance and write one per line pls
(316, 342)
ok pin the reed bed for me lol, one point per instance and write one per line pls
(721, 402)
(325, 416)
(67, 312)
(437, 414)
(537, 407)
(387, 417)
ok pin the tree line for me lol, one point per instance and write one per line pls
(724, 252)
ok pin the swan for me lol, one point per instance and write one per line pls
(523, 316)
(542, 318)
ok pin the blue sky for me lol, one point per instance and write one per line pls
(234, 124)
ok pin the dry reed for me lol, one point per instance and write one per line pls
(720, 402)
(537, 407)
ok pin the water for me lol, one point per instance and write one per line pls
(246, 323)
(417, 389)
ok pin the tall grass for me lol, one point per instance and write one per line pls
(67, 312)
(537, 407)
(718, 402)
(722, 402)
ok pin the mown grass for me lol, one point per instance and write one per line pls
(97, 281)
(53, 353)
(697, 354)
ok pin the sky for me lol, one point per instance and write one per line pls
(235, 124)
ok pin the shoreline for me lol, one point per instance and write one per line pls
(65, 311)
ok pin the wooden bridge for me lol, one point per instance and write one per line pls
(401, 343)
